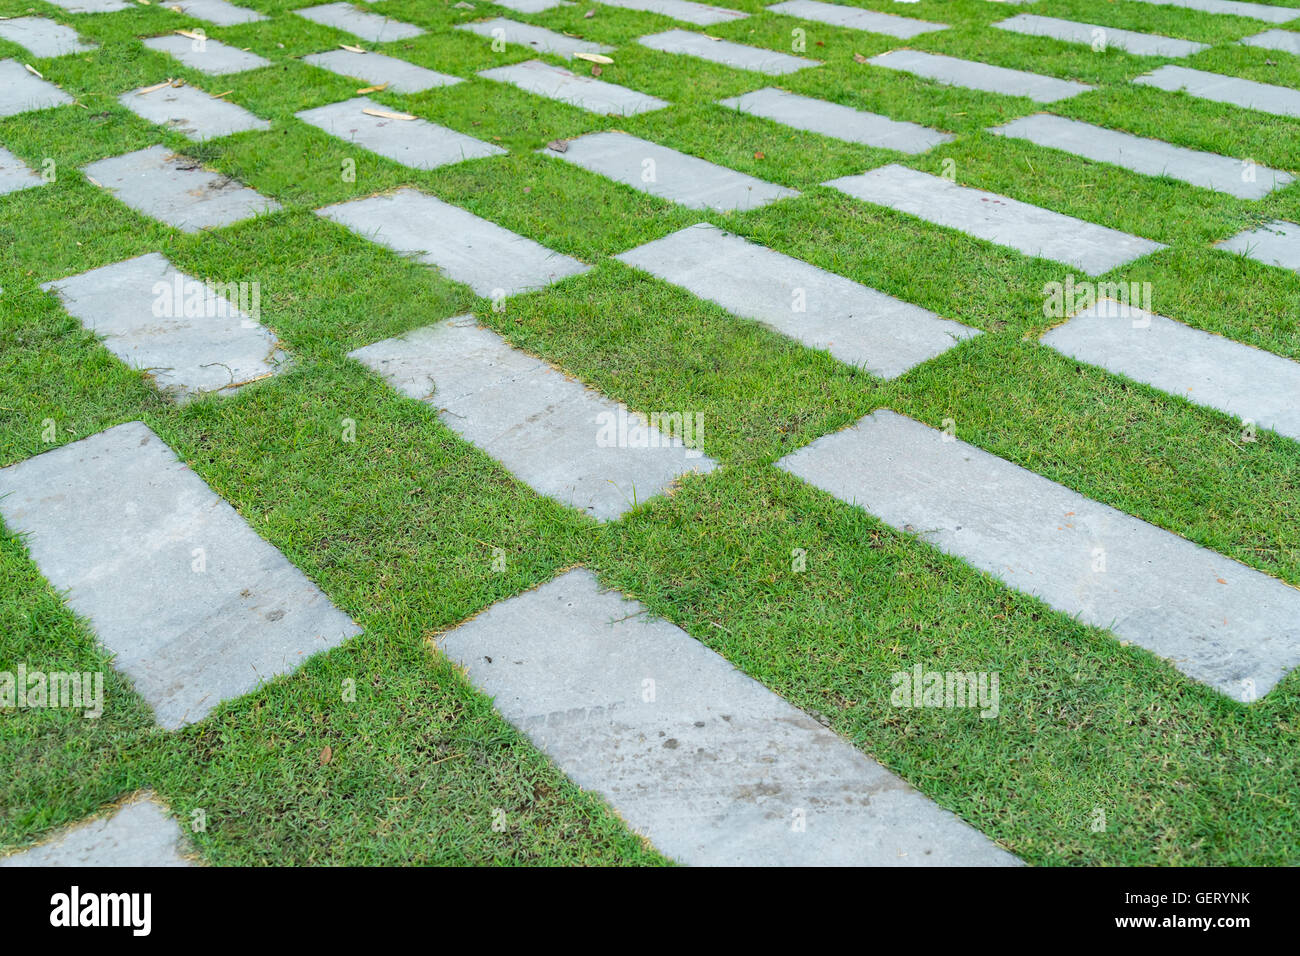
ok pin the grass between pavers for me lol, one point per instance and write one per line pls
(399, 528)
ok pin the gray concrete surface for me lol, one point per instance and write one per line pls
(538, 39)
(584, 92)
(191, 112)
(210, 56)
(1255, 11)
(1071, 31)
(1230, 90)
(855, 18)
(1275, 243)
(43, 38)
(361, 23)
(1283, 41)
(375, 69)
(951, 71)
(415, 142)
(700, 14)
(736, 55)
(14, 174)
(138, 833)
(21, 92)
(220, 12)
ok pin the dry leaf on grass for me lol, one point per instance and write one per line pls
(326, 755)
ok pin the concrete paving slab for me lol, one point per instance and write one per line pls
(855, 18)
(43, 38)
(735, 55)
(211, 56)
(1141, 44)
(668, 174)
(1151, 157)
(1205, 369)
(1275, 243)
(177, 190)
(1031, 230)
(191, 339)
(1256, 11)
(220, 12)
(376, 69)
(1283, 41)
(535, 38)
(21, 92)
(531, 6)
(416, 143)
(708, 764)
(700, 14)
(1232, 90)
(14, 174)
(584, 92)
(951, 71)
(491, 260)
(361, 23)
(857, 324)
(840, 122)
(93, 6)
(1215, 620)
(139, 833)
(545, 427)
(191, 112)
(194, 606)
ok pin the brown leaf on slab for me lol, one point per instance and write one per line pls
(384, 114)
(558, 145)
(351, 49)
(372, 89)
(155, 87)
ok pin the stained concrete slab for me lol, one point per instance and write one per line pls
(193, 605)
(1232, 90)
(1215, 620)
(220, 12)
(211, 56)
(43, 38)
(21, 92)
(361, 23)
(840, 122)
(535, 38)
(416, 143)
(93, 6)
(177, 190)
(736, 55)
(1029, 229)
(951, 71)
(1255, 11)
(855, 18)
(1071, 31)
(1205, 369)
(138, 833)
(14, 174)
(1151, 157)
(1283, 41)
(706, 763)
(531, 6)
(542, 425)
(584, 92)
(491, 260)
(1275, 243)
(700, 14)
(190, 338)
(375, 69)
(668, 174)
(191, 112)
(857, 324)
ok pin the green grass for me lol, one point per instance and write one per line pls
(399, 528)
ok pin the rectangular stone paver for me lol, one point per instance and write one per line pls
(855, 18)
(584, 92)
(193, 605)
(531, 6)
(736, 55)
(1142, 44)
(1216, 620)
(415, 142)
(535, 38)
(1237, 8)
(542, 425)
(951, 71)
(139, 833)
(1029, 229)
(375, 69)
(700, 14)
(210, 56)
(1232, 90)
(191, 112)
(14, 174)
(856, 324)
(832, 119)
(1284, 41)
(177, 190)
(491, 260)
(1151, 157)
(362, 23)
(705, 762)
(43, 38)
(1205, 369)
(668, 174)
(220, 12)
(189, 338)
(93, 6)
(1275, 243)
(21, 92)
